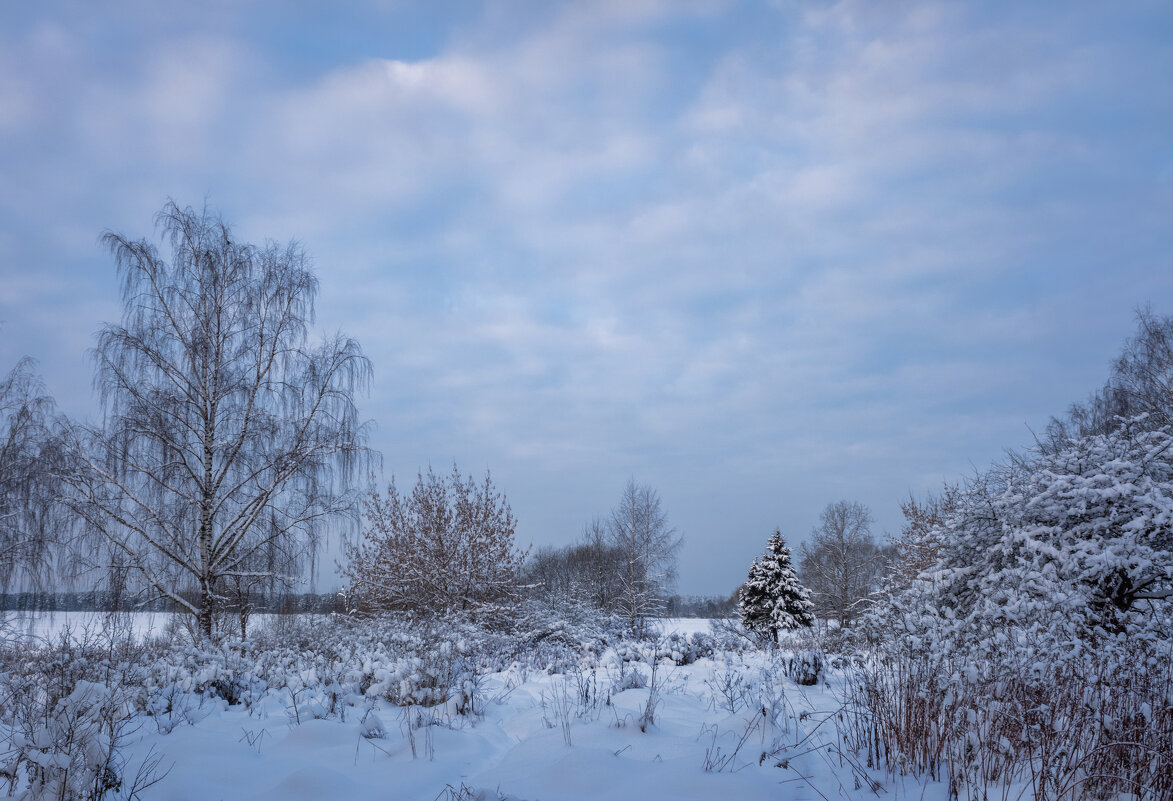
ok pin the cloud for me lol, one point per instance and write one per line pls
(761, 256)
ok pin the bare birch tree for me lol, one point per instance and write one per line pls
(840, 562)
(225, 431)
(30, 517)
(639, 529)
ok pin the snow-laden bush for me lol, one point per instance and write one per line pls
(65, 713)
(69, 748)
(1072, 544)
(1037, 648)
(804, 667)
(627, 677)
(685, 649)
(679, 649)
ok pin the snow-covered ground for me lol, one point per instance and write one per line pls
(684, 625)
(518, 747)
(50, 625)
(732, 725)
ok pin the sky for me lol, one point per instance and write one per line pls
(759, 256)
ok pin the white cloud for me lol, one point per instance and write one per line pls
(804, 250)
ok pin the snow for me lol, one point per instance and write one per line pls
(684, 625)
(729, 725)
(511, 750)
(51, 625)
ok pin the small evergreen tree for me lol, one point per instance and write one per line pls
(771, 598)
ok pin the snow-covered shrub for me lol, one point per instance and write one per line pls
(68, 749)
(448, 545)
(371, 726)
(804, 667)
(543, 637)
(656, 682)
(559, 708)
(703, 645)
(627, 677)
(66, 711)
(728, 686)
(1041, 636)
(1073, 544)
(586, 689)
(685, 649)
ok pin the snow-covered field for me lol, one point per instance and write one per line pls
(519, 748)
(618, 721)
(50, 625)
(538, 707)
(46, 626)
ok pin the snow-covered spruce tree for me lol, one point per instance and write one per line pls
(771, 598)
(446, 547)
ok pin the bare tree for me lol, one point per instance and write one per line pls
(840, 561)
(586, 573)
(1140, 383)
(639, 530)
(30, 517)
(448, 546)
(920, 541)
(599, 563)
(225, 430)
(550, 577)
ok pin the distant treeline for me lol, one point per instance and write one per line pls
(281, 603)
(701, 606)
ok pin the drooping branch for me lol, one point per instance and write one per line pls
(218, 413)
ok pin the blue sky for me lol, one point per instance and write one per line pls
(762, 256)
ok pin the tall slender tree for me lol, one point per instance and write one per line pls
(225, 430)
(772, 599)
(30, 516)
(639, 530)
